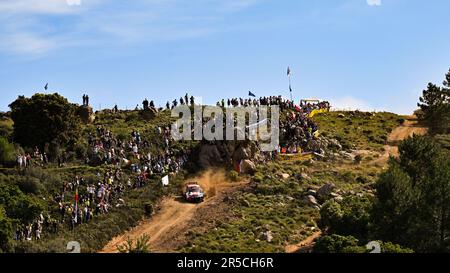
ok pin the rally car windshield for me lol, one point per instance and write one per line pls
(194, 189)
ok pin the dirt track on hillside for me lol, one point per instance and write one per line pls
(173, 218)
(304, 245)
(407, 129)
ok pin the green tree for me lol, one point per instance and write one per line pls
(6, 126)
(435, 106)
(44, 119)
(388, 247)
(338, 244)
(412, 207)
(19, 206)
(349, 217)
(6, 230)
(6, 150)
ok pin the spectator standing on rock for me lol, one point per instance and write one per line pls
(145, 104)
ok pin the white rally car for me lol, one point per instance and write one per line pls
(194, 193)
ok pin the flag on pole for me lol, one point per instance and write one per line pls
(251, 94)
(76, 205)
(76, 196)
(289, 75)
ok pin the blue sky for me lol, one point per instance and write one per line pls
(368, 54)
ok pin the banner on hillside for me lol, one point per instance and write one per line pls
(165, 180)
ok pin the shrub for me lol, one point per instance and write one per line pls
(394, 248)
(44, 118)
(350, 217)
(412, 204)
(148, 207)
(30, 185)
(140, 246)
(81, 149)
(337, 244)
(358, 159)
(233, 176)
(6, 230)
(6, 150)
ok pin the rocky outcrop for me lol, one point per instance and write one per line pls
(86, 114)
(148, 113)
(209, 156)
(248, 166)
(325, 190)
(312, 201)
(220, 153)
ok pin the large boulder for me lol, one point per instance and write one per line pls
(148, 113)
(241, 153)
(209, 156)
(334, 144)
(337, 197)
(220, 153)
(248, 167)
(311, 192)
(86, 114)
(325, 190)
(312, 201)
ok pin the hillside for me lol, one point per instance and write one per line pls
(42, 183)
(273, 214)
(276, 208)
(269, 213)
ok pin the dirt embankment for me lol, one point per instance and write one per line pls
(175, 217)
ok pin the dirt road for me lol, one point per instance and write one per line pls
(304, 245)
(407, 129)
(173, 218)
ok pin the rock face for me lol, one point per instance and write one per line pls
(209, 156)
(86, 114)
(229, 153)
